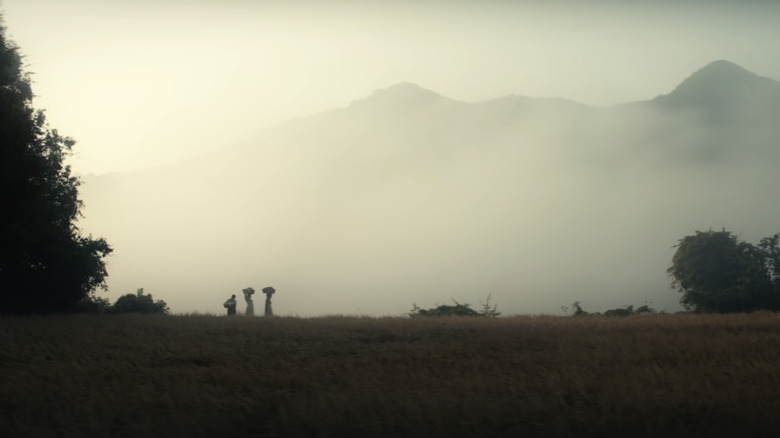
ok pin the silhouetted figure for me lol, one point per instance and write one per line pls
(268, 291)
(230, 305)
(250, 305)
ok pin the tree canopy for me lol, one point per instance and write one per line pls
(138, 302)
(716, 272)
(46, 264)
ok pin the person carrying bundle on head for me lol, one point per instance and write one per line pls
(250, 305)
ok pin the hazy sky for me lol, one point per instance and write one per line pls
(139, 83)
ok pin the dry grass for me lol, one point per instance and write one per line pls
(202, 376)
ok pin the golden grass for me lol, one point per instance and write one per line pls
(207, 376)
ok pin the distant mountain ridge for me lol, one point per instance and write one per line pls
(405, 93)
(718, 82)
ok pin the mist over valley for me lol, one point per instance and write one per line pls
(407, 196)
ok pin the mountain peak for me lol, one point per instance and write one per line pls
(404, 93)
(406, 90)
(723, 67)
(717, 83)
(719, 72)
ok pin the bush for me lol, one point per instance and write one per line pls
(139, 303)
(458, 309)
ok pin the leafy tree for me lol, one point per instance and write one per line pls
(45, 263)
(715, 272)
(139, 303)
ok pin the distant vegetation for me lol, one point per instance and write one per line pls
(577, 310)
(717, 273)
(488, 309)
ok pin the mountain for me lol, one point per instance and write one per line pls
(405, 93)
(720, 84)
(408, 196)
(722, 113)
(723, 92)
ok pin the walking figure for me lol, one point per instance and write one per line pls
(268, 291)
(230, 305)
(250, 305)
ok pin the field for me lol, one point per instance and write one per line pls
(208, 376)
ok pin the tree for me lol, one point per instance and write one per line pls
(578, 310)
(139, 303)
(46, 265)
(488, 308)
(93, 304)
(715, 272)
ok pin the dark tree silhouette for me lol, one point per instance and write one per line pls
(488, 310)
(138, 303)
(46, 265)
(715, 272)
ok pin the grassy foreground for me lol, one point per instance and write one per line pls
(204, 376)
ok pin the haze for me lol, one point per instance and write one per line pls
(403, 195)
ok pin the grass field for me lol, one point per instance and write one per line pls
(207, 376)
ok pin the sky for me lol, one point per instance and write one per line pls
(141, 83)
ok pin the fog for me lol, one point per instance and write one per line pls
(407, 197)
(364, 158)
